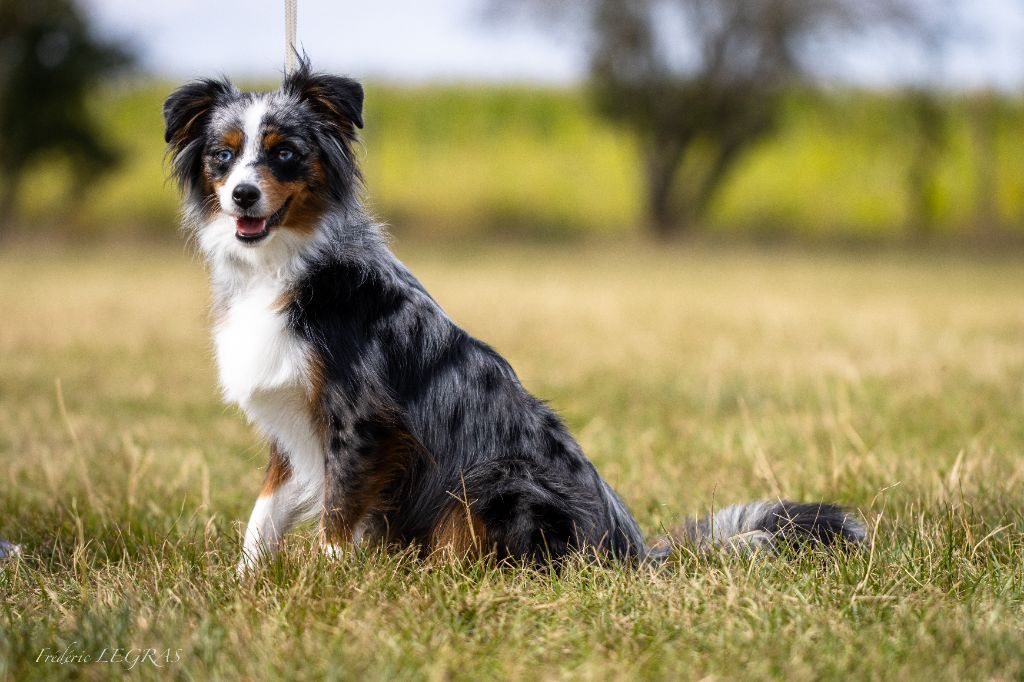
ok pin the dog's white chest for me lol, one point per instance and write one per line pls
(256, 351)
(264, 368)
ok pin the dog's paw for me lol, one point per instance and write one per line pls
(333, 551)
(248, 565)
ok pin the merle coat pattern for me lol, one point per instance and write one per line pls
(386, 420)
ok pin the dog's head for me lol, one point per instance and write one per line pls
(255, 165)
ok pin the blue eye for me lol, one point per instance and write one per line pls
(285, 154)
(224, 155)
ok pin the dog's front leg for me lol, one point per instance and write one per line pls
(286, 497)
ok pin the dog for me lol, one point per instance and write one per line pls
(384, 418)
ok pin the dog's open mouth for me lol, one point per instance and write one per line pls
(250, 229)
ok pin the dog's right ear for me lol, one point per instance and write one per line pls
(186, 113)
(187, 109)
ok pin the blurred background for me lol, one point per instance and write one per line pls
(847, 121)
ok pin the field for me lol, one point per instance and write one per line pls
(462, 160)
(693, 378)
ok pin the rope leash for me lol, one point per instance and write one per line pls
(289, 35)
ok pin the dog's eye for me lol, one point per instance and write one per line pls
(285, 154)
(224, 155)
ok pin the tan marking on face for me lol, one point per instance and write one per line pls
(306, 208)
(275, 191)
(209, 184)
(271, 139)
(214, 184)
(305, 212)
(210, 205)
(233, 139)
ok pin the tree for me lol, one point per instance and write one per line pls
(984, 115)
(50, 63)
(700, 82)
(929, 118)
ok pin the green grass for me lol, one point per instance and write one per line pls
(459, 160)
(692, 378)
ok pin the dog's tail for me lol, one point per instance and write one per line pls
(767, 526)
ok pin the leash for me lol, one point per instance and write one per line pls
(289, 35)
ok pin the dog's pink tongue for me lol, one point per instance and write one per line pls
(250, 227)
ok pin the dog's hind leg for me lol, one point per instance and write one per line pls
(364, 461)
(287, 497)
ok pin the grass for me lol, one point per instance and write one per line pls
(463, 160)
(693, 378)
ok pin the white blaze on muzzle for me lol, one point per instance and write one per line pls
(245, 171)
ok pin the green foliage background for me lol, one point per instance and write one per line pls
(464, 160)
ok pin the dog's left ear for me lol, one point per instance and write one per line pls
(339, 99)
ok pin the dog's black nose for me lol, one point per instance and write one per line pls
(246, 195)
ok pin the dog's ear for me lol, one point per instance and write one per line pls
(186, 114)
(337, 98)
(187, 109)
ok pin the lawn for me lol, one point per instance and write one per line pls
(693, 377)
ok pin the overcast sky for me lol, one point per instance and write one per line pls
(406, 40)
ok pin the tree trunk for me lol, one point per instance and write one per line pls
(986, 200)
(662, 160)
(7, 207)
(922, 183)
(729, 152)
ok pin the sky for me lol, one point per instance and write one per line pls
(449, 40)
